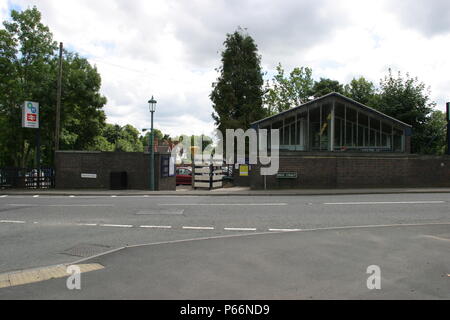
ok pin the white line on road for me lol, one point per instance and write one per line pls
(4, 196)
(285, 230)
(198, 228)
(36, 196)
(223, 204)
(11, 221)
(87, 224)
(156, 227)
(117, 225)
(61, 205)
(240, 229)
(385, 202)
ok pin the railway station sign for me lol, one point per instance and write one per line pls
(30, 115)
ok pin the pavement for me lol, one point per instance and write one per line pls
(210, 247)
(233, 191)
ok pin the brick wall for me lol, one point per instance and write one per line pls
(329, 170)
(71, 164)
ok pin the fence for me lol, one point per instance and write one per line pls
(22, 178)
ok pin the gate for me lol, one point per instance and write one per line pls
(208, 177)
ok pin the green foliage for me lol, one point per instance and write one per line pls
(117, 138)
(407, 100)
(29, 64)
(326, 86)
(237, 94)
(434, 134)
(362, 91)
(287, 92)
(26, 52)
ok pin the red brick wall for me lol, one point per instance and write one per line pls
(358, 171)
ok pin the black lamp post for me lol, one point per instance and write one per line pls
(152, 106)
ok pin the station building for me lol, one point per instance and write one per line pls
(336, 123)
(336, 142)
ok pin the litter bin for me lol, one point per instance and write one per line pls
(118, 181)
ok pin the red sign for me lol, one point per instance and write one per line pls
(31, 117)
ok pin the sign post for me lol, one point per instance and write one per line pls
(30, 119)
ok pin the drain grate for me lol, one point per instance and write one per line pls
(161, 212)
(86, 250)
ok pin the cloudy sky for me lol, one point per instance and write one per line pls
(170, 49)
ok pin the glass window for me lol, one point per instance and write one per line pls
(398, 140)
(314, 127)
(292, 134)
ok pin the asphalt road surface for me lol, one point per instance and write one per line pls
(172, 247)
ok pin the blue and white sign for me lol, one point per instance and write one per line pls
(30, 115)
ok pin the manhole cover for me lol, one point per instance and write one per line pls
(161, 212)
(86, 250)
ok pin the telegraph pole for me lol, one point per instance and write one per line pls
(448, 128)
(58, 100)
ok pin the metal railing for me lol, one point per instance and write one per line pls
(23, 178)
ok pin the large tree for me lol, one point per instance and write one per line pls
(408, 100)
(237, 94)
(361, 90)
(284, 93)
(125, 139)
(29, 67)
(26, 51)
(325, 86)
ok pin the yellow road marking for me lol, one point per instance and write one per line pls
(42, 274)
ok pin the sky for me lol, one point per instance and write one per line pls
(171, 49)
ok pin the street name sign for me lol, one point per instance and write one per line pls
(287, 175)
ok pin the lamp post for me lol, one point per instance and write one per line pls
(152, 106)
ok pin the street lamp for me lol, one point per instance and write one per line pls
(152, 107)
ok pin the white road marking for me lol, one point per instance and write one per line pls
(156, 227)
(113, 196)
(87, 224)
(223, 204)
(385, 202)
(11, 221)
(240, 229)
(198, 228)
(285, 230)
(61, 205)
(436, 238)
(3, 196)
(71, 196)
(117, 225)
(35, 196)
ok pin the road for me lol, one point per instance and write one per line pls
(203, 247)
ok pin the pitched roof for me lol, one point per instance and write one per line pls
(332, 94)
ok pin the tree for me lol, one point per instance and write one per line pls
(435, 137)
(82, 104)
(287, 92)
(117, 138)
(29, 65)
(26, 51)
(407, 100)
(326, 86)
(237, 94)
(362, 91)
